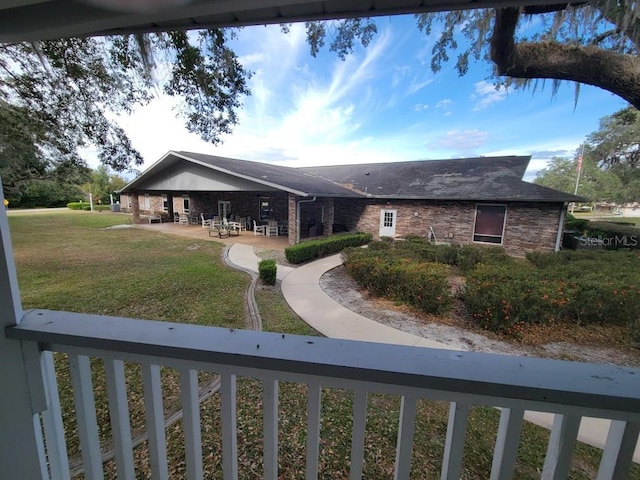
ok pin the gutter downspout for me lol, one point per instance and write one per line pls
(298, 216)
(563, 213)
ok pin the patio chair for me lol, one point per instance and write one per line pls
(176, 218)
(272, 228)
(259, 229)
(205, 221)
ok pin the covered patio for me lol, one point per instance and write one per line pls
(196, 231)
(195, 186)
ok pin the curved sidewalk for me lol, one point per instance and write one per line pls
(301, 289)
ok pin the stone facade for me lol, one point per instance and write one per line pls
(528, 227)
(293, 224)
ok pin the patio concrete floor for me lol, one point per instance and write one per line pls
(196, 231)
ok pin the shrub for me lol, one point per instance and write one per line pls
(421, 285)
(77, 205)
(578, 287)
(267, 270)
(579, 224)
(312, 249)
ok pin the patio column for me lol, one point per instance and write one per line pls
(135, 207)
(328, 215)
(293, 221)
(19, 454)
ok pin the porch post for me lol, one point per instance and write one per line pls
(328, 217)
(135, 207)
(19, 455)
(293, 219)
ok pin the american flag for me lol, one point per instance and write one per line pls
(579, 163)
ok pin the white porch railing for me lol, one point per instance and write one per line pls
(568, 389)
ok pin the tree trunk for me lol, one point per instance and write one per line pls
(615, 72)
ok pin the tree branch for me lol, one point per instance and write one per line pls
(615, 72)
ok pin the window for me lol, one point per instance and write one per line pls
(388, 219)
(265, 209)
(489, 226)
(165, 202)
(147, 203)
(185, 203)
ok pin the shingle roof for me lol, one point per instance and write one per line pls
(287, 178)
(481, 178)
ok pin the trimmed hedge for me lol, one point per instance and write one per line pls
(77, 205)
(87, 207)
(419, 249)
(577, 287)
(310, 250)
(421, 285)
(614, 234)
(267, 270)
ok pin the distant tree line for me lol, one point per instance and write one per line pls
(610, 162)
(56, 190)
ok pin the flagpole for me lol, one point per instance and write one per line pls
(579, 168)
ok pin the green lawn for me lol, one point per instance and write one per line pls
(73, 262)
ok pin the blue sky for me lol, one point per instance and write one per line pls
(383, 103)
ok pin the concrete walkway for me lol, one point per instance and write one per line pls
(301, 289)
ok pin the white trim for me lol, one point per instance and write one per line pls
(177, 155)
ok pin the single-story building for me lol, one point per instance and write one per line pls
(465, 201)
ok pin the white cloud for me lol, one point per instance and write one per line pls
(417, 85)
(459, 140)
(487, 94)
(419, 107)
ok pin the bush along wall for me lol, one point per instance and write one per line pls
(312, 249)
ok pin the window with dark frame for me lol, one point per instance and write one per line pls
(489, 224)
(165, 203)
(185, 204)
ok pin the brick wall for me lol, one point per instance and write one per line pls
(528, 227)
(531, 227)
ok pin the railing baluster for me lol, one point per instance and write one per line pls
(52, 421)
(404, 447)
(357, 437)
(190, 399)
(270, 421)
(506, 449)
(313, 429)
(618, 451)
(86, 416)
(560, 449)
(229, 427)
(119, 413)
(454, 444)
(42, 454)
(154, 418)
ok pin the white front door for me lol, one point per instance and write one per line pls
(387, 223)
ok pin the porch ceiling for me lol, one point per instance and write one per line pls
(28, 20)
